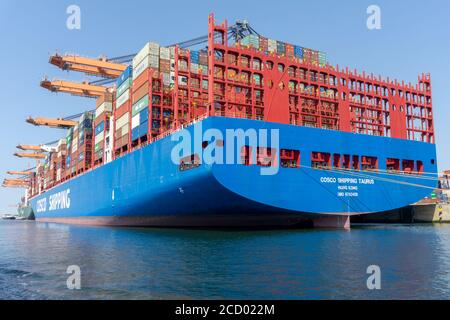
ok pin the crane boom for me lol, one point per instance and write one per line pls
(30, 155)
(19, 173)
(81, 89)
(25, 147)
(14, 183)
(98, 67)
(52, 123)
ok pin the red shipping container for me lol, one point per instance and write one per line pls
(141, 92)
(126, 107)
(143, 77)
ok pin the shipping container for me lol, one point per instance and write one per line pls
(128, 73)
(150, 48)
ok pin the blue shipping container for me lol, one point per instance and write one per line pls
(194, 57)
(281, 47)
(298, 52)
(143, 117)
(135, 133)
(125, 75)
(99, 128)
(143, 129)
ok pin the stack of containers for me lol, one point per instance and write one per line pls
(85, 133)
(203, 62)
(50, 167)
(281, 48)
(74, 151)
(272, 46)
(251, 41)
(69, 138)
(122, 110)
(315, 57)
(61, 150)
(322, 58)
(165, 65)
(39, 178)
(194, 55)
(263, 44)
(307, 55)
(139, 120)
(103, 112)
(148, 64)
(298, 52)
(290, 51)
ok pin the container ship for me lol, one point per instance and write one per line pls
(320, 143)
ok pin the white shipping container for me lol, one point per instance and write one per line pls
(104, 107)
(272, 45)
(135, 121)
(141, 67)
(172, 64)
(125, 129)
(150, 61)
(164, 53)
(149, 48)
(123, 120)
(166, 79)
(99, 138)
(123, 98)
(75, 144)
(58, 174)
(172, 52)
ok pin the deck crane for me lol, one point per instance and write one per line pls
(97, 67)
(83, 89)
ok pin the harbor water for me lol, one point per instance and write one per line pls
(124, 263)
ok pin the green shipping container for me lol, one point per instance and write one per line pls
(140, 105)
(123, 87)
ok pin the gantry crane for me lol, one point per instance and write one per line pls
(98, 67)
(52, 123)
(83, 89)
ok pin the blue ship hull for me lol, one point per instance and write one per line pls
(146, 188)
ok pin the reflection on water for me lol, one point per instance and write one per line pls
(196, 264)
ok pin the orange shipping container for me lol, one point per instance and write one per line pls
(126, 107)
(107, 97)
(141, 92)
(143, 77)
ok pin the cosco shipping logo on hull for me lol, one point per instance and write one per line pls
(57, 201)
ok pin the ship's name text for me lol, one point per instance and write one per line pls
(57, 201)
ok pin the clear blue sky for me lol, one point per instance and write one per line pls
(414, 38)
